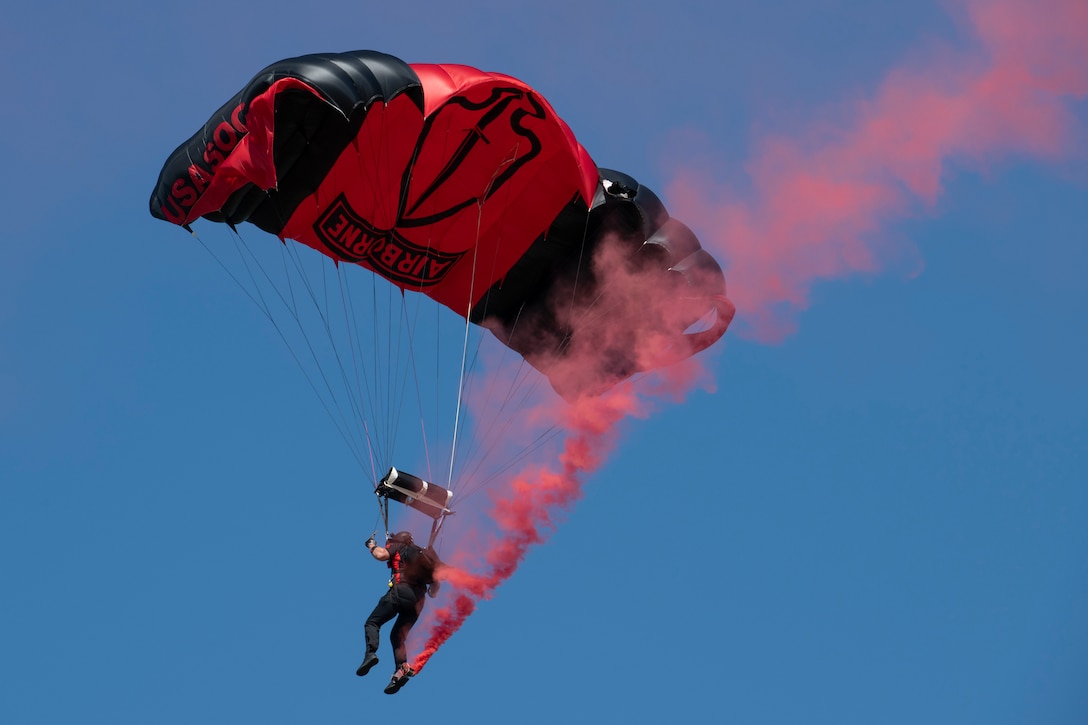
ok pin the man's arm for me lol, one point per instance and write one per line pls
(436, 583)
(378, 552)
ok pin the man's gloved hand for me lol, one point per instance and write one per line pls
(370, 543)
(432, 590)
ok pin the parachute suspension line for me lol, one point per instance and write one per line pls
(379, 371)
(381, 382)
(436, 375)
(468, 314)
(378, 383)
(383, 509)
(481, 199)
(487, 433)
(383, 356)
(586, 314)
(410, 327)
(480, 483)
(437, 359)
(245, 290)
(382, 517)
(492, 382)
(254, 294)
(499, 420)
(574, 288)
(288, 251)
(355, 341)
(380, 390)
(323, 313)
(515, 398)
(370, 452)
(397, 373)
(436, 527)
(376, 422)
(468, 448)
(464, 348)
(524, 384)
(291, 252)
(388, 346)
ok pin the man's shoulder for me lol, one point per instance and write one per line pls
(405, 549)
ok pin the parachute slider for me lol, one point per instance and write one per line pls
(413, 491)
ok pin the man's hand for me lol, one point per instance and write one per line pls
(432, 590)
(370, 543)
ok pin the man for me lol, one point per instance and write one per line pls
(411, 576)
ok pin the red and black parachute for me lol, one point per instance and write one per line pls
(465, 186)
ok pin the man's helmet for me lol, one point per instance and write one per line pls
(401, 537)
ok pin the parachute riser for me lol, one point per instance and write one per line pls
(383, 507)
(436, 526)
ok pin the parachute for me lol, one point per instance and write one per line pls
(464, 186)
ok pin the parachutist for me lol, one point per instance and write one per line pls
(412, 575)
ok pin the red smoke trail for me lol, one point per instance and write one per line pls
(819, 202)
(525, 513)
(819, 205)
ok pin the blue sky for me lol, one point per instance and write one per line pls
(877, 519)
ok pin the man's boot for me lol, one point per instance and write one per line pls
(369, 661)
(400, 679)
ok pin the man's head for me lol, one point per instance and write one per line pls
(401, 537)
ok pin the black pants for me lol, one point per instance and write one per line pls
(403, 602)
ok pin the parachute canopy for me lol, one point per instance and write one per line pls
(465, 186)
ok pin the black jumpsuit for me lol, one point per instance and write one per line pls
(411, 574)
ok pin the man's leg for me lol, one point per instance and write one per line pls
(410, 609)
(385, 610)
(398, 636)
